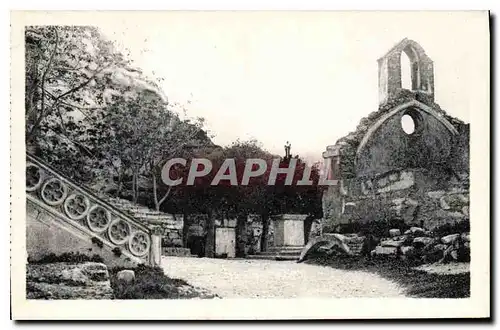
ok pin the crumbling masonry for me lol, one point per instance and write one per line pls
(383, 172)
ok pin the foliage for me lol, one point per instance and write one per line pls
(150, 283)
(97, 119)
(448, 228)
(97, 241)
(117, 251)
(69, 71)
(70, 257)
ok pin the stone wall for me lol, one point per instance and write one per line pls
(414, 196)
(252, 233)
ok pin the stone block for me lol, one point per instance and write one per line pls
(392, 243)
(385, 250)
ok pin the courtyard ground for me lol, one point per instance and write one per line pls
(240, 278)
(451, 280)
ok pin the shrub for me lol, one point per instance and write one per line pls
(97, 241)
(150, 283)
(69, 257)
(447, 229)
(117, 251)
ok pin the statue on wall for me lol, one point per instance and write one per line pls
(288, 146)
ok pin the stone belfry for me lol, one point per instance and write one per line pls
(389, 70)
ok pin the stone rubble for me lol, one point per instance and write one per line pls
(453, 247)
(89, 280)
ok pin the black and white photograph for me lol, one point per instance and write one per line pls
(207, 157)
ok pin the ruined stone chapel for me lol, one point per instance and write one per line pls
(387, 172)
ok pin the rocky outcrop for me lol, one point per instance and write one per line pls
(89, 280)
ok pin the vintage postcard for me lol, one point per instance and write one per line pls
(222, 165)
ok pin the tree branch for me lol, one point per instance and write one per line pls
(43, 79)
(166, 195)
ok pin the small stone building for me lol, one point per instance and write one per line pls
(418, 173)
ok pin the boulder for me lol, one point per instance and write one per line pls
(417, 231)
(422, 241)
(327, 241)
(126, 275)
(465, 237)
(407, 232)
(391, 243)
(450, 239)
(394, 232)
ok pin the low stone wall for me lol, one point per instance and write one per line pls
(176, 252)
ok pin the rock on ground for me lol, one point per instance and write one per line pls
(89, 280)
(276, 279)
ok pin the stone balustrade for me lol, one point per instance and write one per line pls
(85, 211)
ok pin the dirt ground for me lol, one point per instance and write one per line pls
(277, 279)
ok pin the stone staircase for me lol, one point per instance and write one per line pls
(279, 253)
(63, 216)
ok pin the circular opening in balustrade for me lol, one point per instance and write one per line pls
(139, 243)
(34, 177)
(118, 231)
(98, 219)
(54, 192)
(76, 206)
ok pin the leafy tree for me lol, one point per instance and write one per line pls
(69, 78)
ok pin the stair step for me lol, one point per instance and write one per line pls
(272, 257)
(287, 258)
(287, 249)
(290, 253)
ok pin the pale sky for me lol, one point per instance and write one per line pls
(305, 77)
